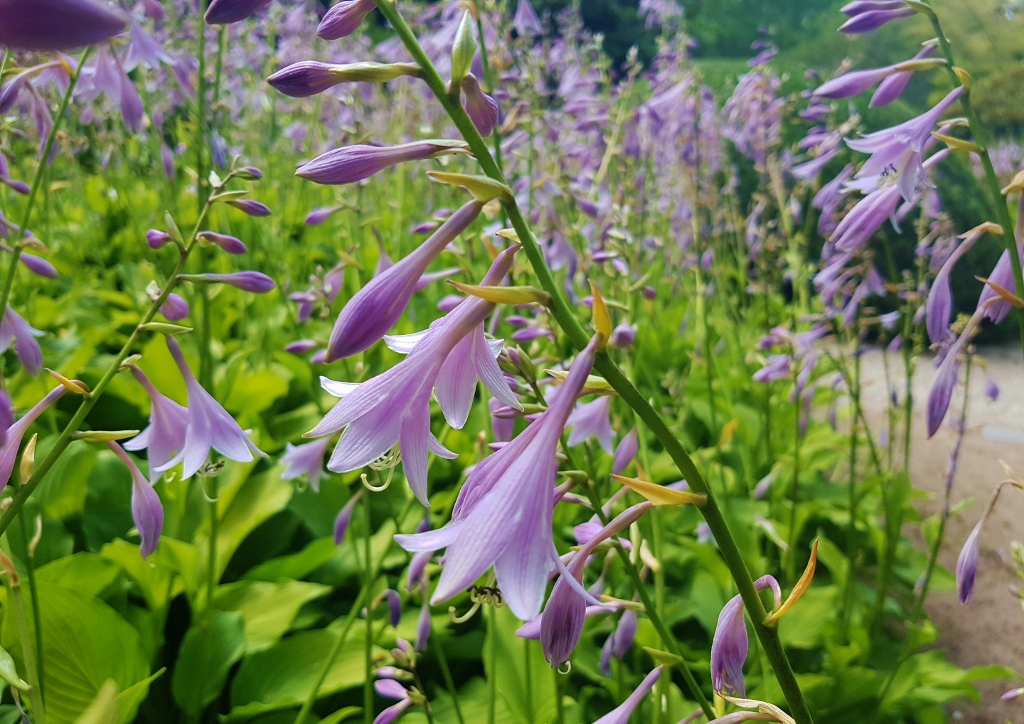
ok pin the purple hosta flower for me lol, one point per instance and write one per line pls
(591, 419)
(249, 281)
(16, 432)
(729, 648)
(147, 510)
(350, 164)
(344, 18)
(809, 170)
(378, 306)
(896, 153)
(164, 437)
(763, 485)
(157, 239)
(1012, 694)
(525, 21)
(174, 307)
(320, 215)
(991, 389)
(14, 328)
(36, 265)
(225, 12)
(502, 427)
(393, 409)
(503, 514)
(310, 77)
(251, 207)
(144, 50)
(562, 622)
(482, 109)
(894, 84)
(623, 336)
(864, 219)
(45, 25)
(345, 517)
(19, 187)
(210, 426)
(967, 562)
(6, 416)
(620, 641)
(868, 15)
(391, 689)
(992, 305)
(939, 307)
(948, 373)
(622, 713)
(423, 626)
(625, 453)
(228, 243)
(778, 367)
(306, 460)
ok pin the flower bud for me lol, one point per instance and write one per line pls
(482, 109)
(344, 18)
(225, 12)
(320, 215)
(46, 25)
(463, 49)
(157, 239)
(351, 164)
(230, 244)
(250, 207)
(310, 77)
(249, 281)
(174, 307)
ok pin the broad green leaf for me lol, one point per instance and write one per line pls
(210, 648)
(87, 573)
(85, 642)
(62, 492)
(254, 392)
(297, 565)
(103, 709)
(153, 577)
(804, 626)
(267, 609)
(284, 675)
(342, 715)
(513, 672)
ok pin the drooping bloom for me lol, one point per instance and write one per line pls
(622, 713)
(46, 25)
(14, 328)
(210, 426)
(967, 561)
(896, 153)
(893, 85)
(729, 648)
(592, 420)
(939, 307)
(225, 12)
(164, 437)
(349, 164)
(562, 622)
(6, 416)
(393, 409)
(251, 207)
(525, 21)
(503, 514)
(344, 18)
(306, 460)
(391, 689)
(345, 517)
(230, 244)
(620, 641)
(147, 510)
(858, 81)
(625, 453)
(16, 432)
(482, 109)
(248, 281)
(378, 306)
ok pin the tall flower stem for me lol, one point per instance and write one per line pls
(90, 399)
(933, 554)
(571, 326)
(37, 181)
(35, 694)
(991, 180)
(851, 533)
(446, 673)
(33, 592)
(368, 586)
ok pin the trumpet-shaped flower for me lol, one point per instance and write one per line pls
(147, 510)
(210, 426)
(378, 306)
(45, 25)
(526, 21)
(16, 432)
(592, 420)
(482, 109)
(394, 408)
(306, 460)
(344, 517)
(14, 328)
(620, 641)
(164, 437)
(503, 514)
(729, 648)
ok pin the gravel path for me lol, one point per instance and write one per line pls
(991, 629)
